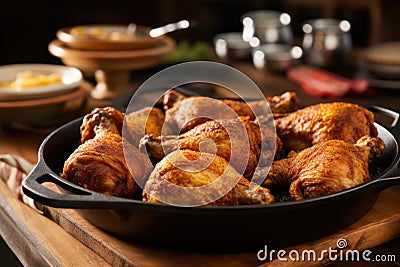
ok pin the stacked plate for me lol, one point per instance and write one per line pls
(110, 52)
(40, 94)
(381, 65)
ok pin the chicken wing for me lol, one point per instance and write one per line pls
(325, 168)
(187, 178)
(99, 164)
(228, 141)
(323, 122)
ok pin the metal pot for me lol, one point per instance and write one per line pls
(268, 26)
(327, 42)
(231, 45)
(211, 228)
(276, 57)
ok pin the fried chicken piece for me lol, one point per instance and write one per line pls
(228, 141)
(323, 122)
(171, 97)
(325, 168)
(192, 111)
(190, 178)
(183, 113)
(148, 120)
(98, 164)
(284, 103)
(101, 118)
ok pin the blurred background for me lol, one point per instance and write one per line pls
(28, 28)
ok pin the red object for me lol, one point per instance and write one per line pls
(322, 83)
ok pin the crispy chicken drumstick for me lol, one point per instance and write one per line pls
(98, 164)
(181, 168)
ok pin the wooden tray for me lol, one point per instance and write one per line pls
(380, 225)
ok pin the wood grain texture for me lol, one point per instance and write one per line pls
(38, 240)
(380, 225)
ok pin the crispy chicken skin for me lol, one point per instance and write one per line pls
(323, 122)
(325, 168)
(173, 170)
(330, 146)
(183, 113)
(171, 97)
(192, 111)
(99, 164)
(148, 120)
(102, 118)
(284, 103)
(227, 136)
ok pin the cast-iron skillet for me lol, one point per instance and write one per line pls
(212, 228)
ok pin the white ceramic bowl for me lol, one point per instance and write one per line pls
(71, 78)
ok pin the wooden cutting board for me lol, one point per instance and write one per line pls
(381, 224)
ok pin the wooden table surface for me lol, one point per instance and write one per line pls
(38, 240)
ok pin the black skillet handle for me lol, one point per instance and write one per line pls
(391, 113)
(79, 198)
(386, 182)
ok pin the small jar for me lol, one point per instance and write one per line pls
(268, 26)
(327, 43)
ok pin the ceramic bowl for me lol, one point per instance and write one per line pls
(105, 37)
(70, 77)
(45, 112)
(111, 68)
